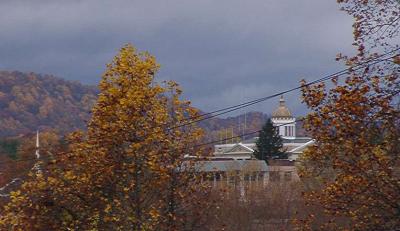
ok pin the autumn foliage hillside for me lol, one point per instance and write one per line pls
(29, 101)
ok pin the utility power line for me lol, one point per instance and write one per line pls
(257, 131)
(327, 77)
(213, 141)
(213, 114)
(256, 101)
(194, 146)
(374, 61)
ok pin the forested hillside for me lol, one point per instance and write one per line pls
(222, 128)
(29, 101)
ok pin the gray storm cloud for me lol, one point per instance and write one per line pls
(221, 52)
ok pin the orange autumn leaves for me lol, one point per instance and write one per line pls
(353, 170)
(124, 173)
(354, 166)
(355, 159)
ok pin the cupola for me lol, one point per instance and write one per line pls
(282, 111)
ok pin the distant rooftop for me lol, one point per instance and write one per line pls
(231, 165)
(250, 140)
(296, 140)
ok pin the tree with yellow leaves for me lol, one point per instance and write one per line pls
(128, 171)
(353, 171)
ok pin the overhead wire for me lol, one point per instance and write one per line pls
(341, 72)
(256, 101)
(249, 103)
(48, 167)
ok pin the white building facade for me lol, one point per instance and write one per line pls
(282, 119)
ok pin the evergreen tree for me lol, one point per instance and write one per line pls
(269, 143)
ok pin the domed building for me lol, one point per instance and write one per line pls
(286, 123)
(283, 119)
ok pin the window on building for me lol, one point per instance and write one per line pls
(253, 176)
(232, 179)
(289, 131)
(217, 176)
(260, 176)
(288, 176)
(274, 176)
(223, 175)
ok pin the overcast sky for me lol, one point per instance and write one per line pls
(222, 52)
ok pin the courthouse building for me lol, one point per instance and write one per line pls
(286, 123)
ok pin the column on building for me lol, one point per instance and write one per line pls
(283, 119)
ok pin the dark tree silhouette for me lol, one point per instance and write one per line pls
(269, 144)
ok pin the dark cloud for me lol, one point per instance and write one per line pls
(221, 52)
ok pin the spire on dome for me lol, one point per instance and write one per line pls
(282, 111)
(281, 101)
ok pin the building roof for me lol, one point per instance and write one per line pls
(231, 165)
(297, 140)
(251, 140)
(239, 147)
(301, 148)
(281, 162)
(282, 111)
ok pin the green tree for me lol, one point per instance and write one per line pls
(9, 147)
(269, 144)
